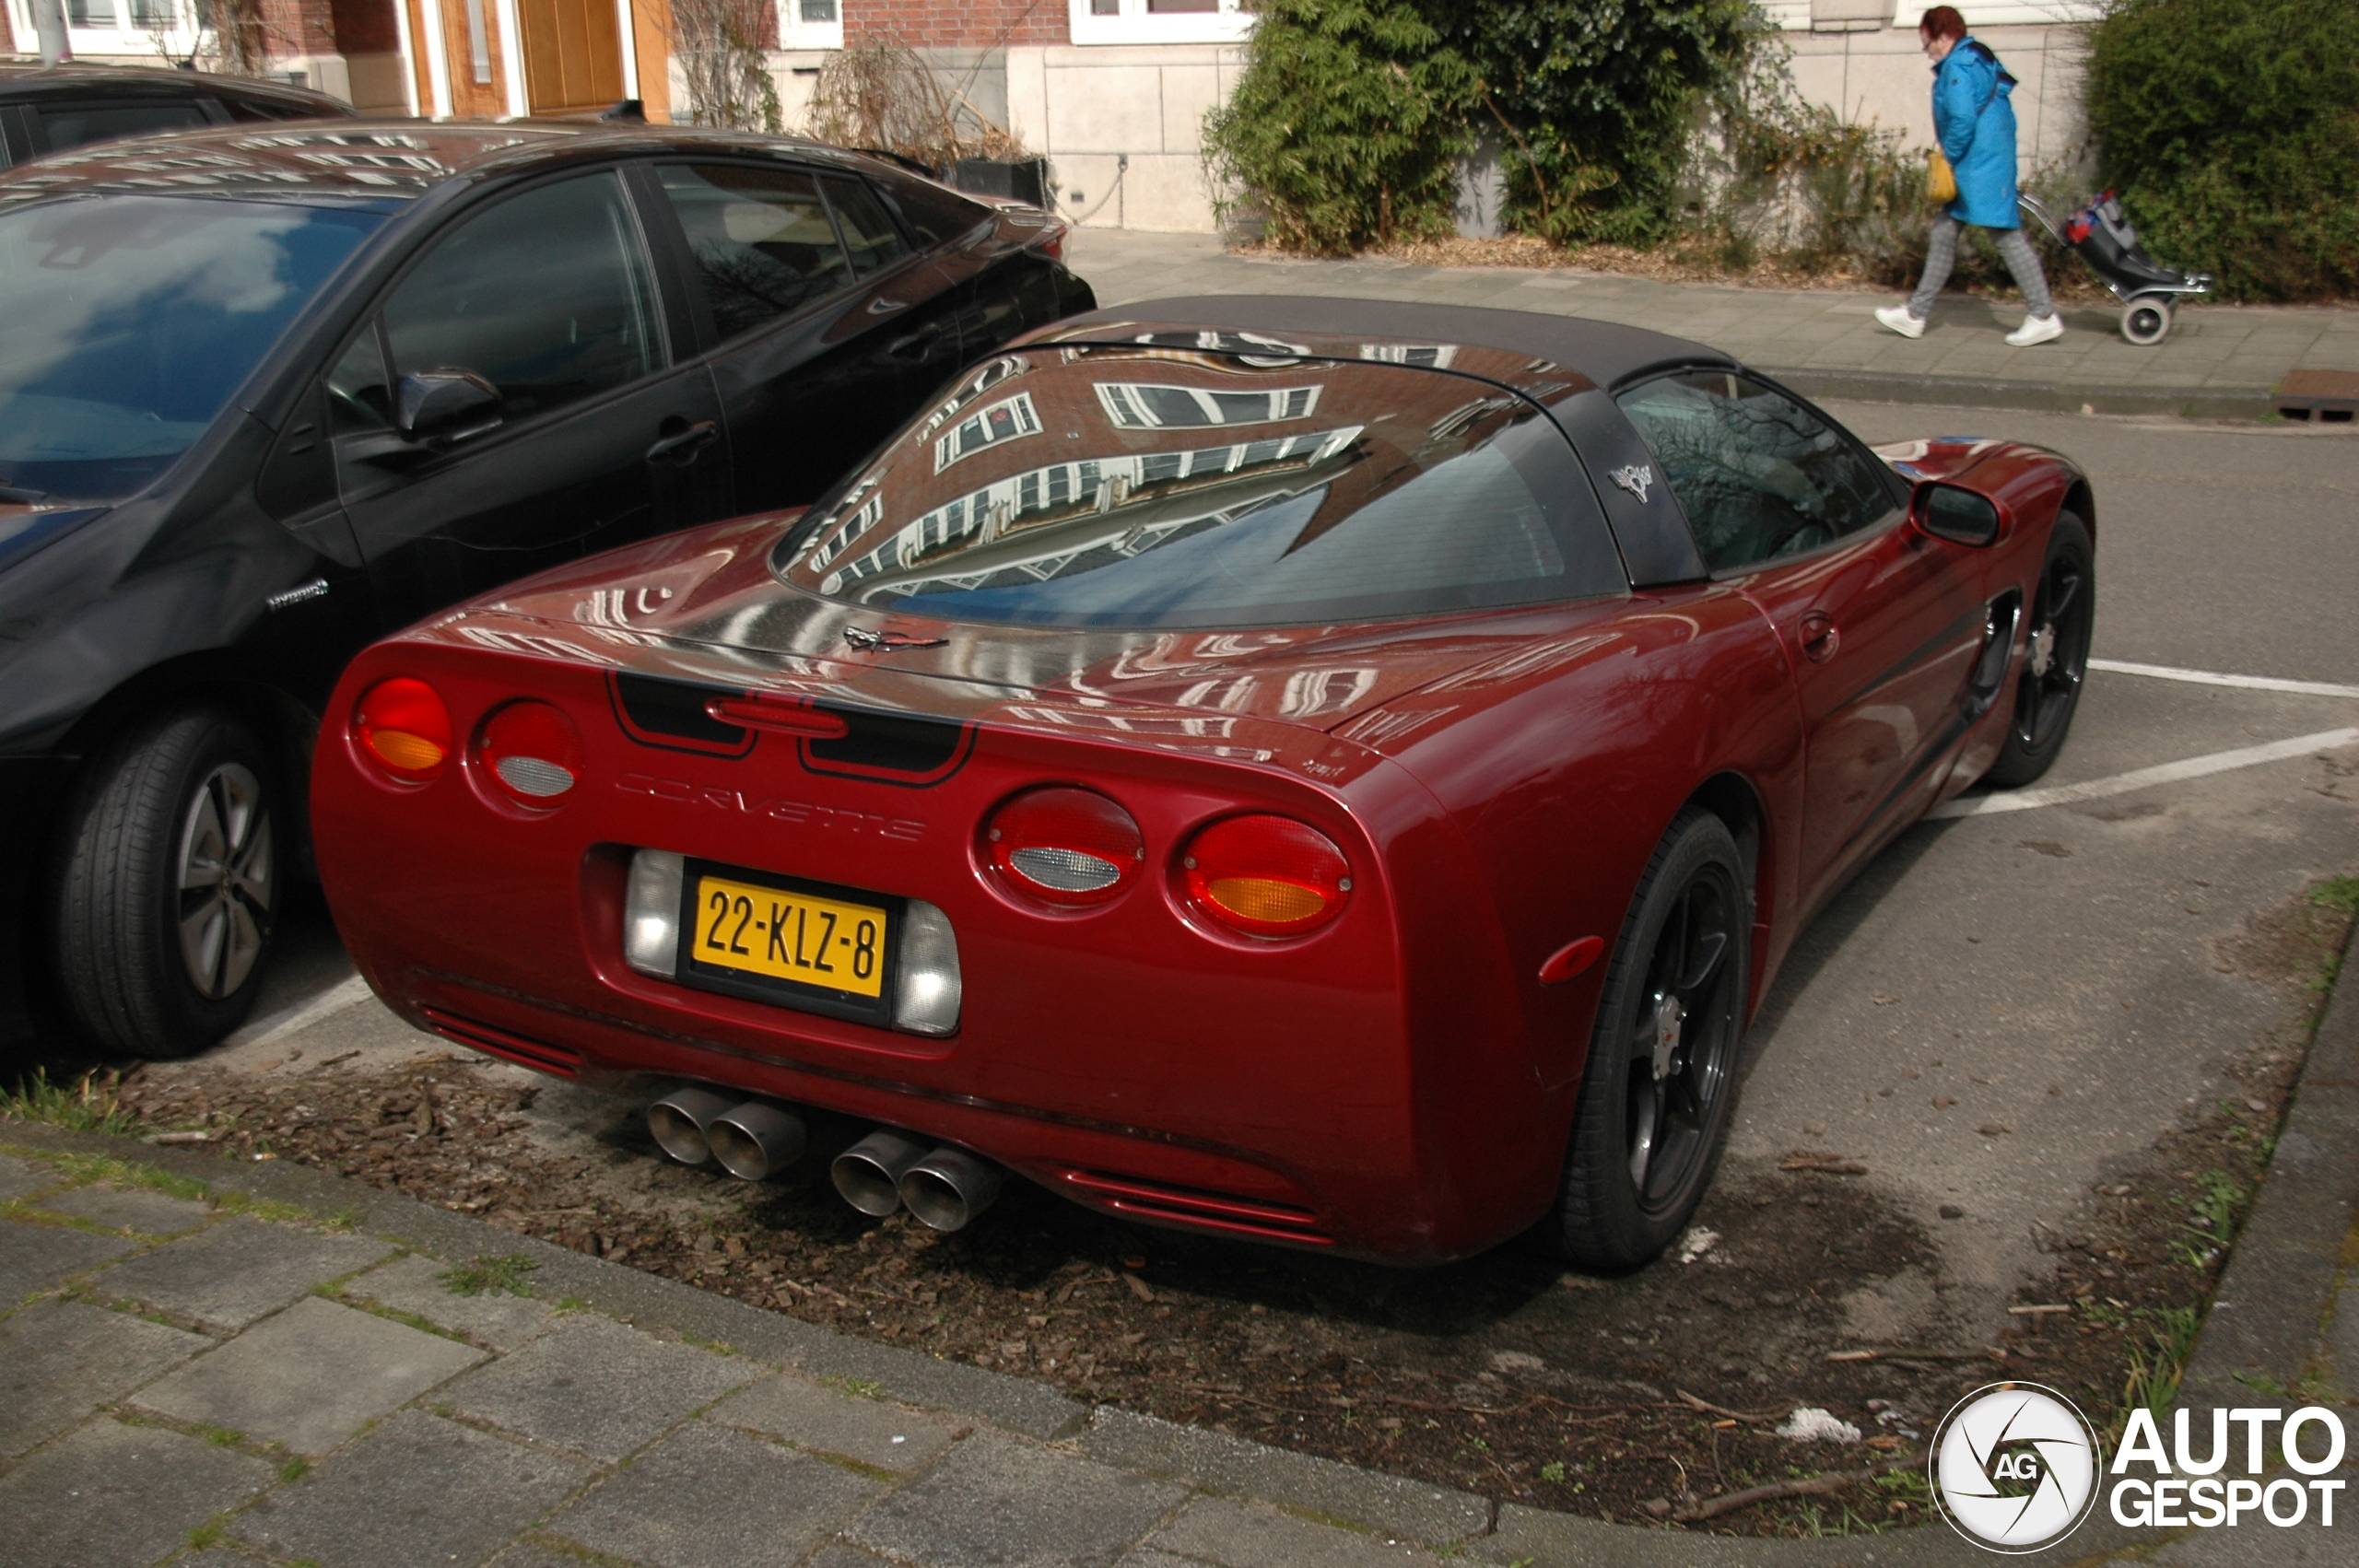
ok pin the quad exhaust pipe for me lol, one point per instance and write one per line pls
(887, 1170)
(751, 1139)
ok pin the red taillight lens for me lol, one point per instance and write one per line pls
(1267, 875)
(533, 752)
(1066, 846)
(1051, 242)
(403, 724)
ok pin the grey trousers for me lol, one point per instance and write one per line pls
(2013, 248)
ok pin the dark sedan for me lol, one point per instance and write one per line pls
(55, 109)
(266, 394)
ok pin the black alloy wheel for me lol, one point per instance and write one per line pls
(1660, 1079)
(166, 892)
(2056, 656)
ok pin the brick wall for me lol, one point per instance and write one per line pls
(299, 27)
(951, 24)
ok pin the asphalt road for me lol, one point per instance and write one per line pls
(2078, 974)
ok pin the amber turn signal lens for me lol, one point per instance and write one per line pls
(534, 753)
(1067, 846)
(1267, 875)
(402, 724)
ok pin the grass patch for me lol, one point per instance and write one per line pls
(88, 1105)
(123, 1173)
(2157, 1360)
(294, 1469)
(211, 1533)
(264, 1209)
(504, 1275)
(2338, 893)
(857, 1387)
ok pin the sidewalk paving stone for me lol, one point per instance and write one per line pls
(1398, 1506)
(310, 1376)
(1250, 1535)
(61, 1359)
(817, 1419)
(112, 1495)
(34, 1257)
(995, 1501)
(129, 1209)
(706, 1498)
(21, 1179)
(230, 1275)
(598, 1388)
(416, 1493)
(413, 1285)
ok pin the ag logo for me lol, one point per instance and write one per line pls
(2014, 1468)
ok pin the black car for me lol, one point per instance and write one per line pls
(54, 108)
(267, 393)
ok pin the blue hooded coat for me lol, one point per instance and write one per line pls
(1976, 125)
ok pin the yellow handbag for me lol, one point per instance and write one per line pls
(1940, 180)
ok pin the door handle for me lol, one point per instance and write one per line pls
(1819, 636)
(681, 447)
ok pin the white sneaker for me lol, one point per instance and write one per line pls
(1897, 317)
(2036, 329)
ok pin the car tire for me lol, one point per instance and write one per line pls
(1661, 1072)
(2056, 659)
(167, 886)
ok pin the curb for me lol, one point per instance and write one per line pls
(2270, 1310)
(2040, 397)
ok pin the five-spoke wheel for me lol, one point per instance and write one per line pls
(2054, 657)
(1656, 1094)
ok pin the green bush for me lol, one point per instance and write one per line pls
(1596, 100)
(1347, 126)
(2231, 130)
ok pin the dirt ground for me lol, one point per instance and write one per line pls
(1652, 1398)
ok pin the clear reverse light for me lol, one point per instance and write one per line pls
(652, 914)
(925, 1000)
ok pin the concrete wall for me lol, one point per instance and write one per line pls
(1123, 124)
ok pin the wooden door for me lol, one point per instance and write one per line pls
(573, 57)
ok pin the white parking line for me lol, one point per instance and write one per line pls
(302, 1015)
(2146, 777)
(2213, 678)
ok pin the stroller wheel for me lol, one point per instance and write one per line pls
(2146, 322)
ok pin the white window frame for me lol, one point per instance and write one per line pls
(1125, 410)
(793, 32)
(957, 444)
(123, 38)
(1133, 24)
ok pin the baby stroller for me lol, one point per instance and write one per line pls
(2149, 291)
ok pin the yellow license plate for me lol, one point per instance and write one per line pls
(755, 930)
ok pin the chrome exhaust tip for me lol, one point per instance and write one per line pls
(756, 1140)
(949, 1187)
(869, 1172)
(679, 1122)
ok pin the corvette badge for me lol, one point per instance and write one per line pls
(1635, 478)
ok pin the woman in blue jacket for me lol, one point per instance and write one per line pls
(1976, 125)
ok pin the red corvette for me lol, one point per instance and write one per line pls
(1334, 773)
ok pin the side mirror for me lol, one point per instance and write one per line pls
(444, 406)
(1955, 513)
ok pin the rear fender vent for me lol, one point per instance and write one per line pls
(1192, 1206)
(522, 1049)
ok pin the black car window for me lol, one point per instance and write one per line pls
(359, 397)
(1023, 499)
(79, 124)
(127, 322)
(869, 234)
(1758, 475)
(764, 245)
(546, 294)
(936, 213)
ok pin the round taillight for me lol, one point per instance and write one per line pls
(533, 752)
(403, 725)
(1267, 875)
(1071, 847)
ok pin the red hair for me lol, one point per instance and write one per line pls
(1940, 21)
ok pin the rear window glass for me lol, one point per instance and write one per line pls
(79, 124)
(1155, 486)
